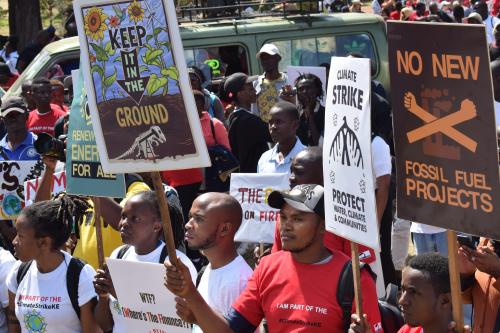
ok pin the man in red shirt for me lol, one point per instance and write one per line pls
(44, 117)
(295, 289)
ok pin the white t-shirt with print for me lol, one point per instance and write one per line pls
(220, 287)
(7, 261)
(42, 299)
(154, 257)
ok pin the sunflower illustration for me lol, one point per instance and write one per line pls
(114, 21)
(135, 11)
(95, 23)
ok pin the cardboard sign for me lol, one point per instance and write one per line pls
(31, 186)
(293, 72)
(145, 303)
(13, 174)
(84, 171)
(350, 209)
(142, 107)
(251, 190)
(444, 127)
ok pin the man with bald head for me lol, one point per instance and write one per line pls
(214, 219)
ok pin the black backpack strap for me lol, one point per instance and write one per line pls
(23, 269)
(200, 274)
(345, 290)
(345, 293)
(163, 254)
(213, 130)
(75, 267)
(122, 251)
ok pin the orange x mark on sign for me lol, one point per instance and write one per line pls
(443, 125)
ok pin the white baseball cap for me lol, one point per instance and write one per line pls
(270, 49)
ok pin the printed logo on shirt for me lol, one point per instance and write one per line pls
(35, 322)
(31, 152)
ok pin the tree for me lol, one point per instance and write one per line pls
(24, 20)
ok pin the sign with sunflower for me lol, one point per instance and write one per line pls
(141, 104)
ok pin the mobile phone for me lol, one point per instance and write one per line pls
(466, 241)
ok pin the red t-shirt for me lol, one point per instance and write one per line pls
(395, 15)
(38, 123)
(332, 242)
(296, 297)
(408, 329)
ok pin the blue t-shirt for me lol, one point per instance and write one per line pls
(24, 152)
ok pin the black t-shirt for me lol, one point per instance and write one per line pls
(303, 131)
(494, 52)
(248, 137)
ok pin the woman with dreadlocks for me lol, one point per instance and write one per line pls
(140, 227)
(49, 290)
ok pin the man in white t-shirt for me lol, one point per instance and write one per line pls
(214, 220)
(6, 263)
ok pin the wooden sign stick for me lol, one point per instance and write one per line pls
(456, 293)
(357, 280)
(165, 217)
(98, 231)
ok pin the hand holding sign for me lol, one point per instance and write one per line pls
(178, 280)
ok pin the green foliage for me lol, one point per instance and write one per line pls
(100, 53)
(155, 83)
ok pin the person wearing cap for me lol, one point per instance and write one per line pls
(213, 104)
(283, 127)
(248, 134)
(17, 145)
(294, 289)
(356, 6)
(269, 84)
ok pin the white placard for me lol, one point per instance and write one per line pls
(251, 190)
(293, 72)
(31, 186)
(143, 299)
(350, 207)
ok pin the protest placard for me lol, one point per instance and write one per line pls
(142, 107)
(31, 186)
(444, 127)
(293, 72)
(85, 175)
(350, 208)
(143, 300)
(251, 190)
(13, 174)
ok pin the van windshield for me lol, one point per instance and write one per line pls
(218, 61)
(317, 51)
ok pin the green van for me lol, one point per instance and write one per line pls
(226, 46)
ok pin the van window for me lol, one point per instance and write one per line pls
(317, 51)
(218, 61)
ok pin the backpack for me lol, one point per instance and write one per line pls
(224, 163)
(392, 319)
(75, 266)
(163, 254)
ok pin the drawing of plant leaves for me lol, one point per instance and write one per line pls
(118, 59)
(171, 72)
(166, 44)
(155, 83)
(157, 30)
(110, 79)
(97, 69)
(144, 69)
(148, 37)
(100, 53)
(109, 50)
(151, 55)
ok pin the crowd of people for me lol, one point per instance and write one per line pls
(269, 126)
